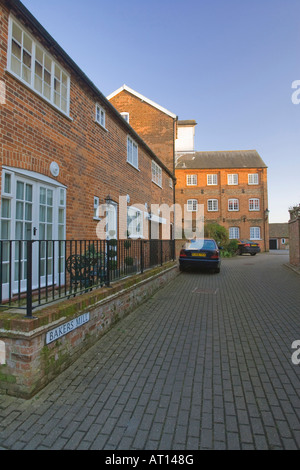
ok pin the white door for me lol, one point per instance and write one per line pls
(30, 210)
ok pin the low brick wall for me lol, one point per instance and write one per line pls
(35, 351)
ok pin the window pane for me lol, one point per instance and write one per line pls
(42, 195)
(7, 183)
(16, 50)
(27, 43)
(17, 33)
(5, 208)
(20, 190)
(16, 66)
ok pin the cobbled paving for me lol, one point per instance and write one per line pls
(204, 364)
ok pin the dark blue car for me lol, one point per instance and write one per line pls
(200, 253)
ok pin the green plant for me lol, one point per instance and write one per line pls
(129, 261)
(217, 232)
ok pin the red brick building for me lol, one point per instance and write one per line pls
(155, 124)
(232, 186)
(64, 147)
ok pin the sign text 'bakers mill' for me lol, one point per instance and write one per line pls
(66, 328)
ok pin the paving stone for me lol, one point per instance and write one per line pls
(205, 363)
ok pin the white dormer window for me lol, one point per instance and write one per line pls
(100, 115)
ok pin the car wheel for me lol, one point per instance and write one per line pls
(252, 254)
(217, 270)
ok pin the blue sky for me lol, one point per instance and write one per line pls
(228, 64)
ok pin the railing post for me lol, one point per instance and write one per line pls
(108, 262)
(29, 279)
(142, 256)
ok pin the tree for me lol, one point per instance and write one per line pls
(217, 232)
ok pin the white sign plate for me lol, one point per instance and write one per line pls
(66, 328)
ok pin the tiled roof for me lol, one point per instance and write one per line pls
(221, 159)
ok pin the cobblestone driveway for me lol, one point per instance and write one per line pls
(204, 364)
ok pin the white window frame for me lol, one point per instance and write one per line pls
(233, 205)
(132, 152)
(254, 205)
(212, 179)
(191, 180)
(232, 179)
(212, 205)
(255, 231)
(192, 205)
(156, 174)
(61, 82)
(125, 116)
(100, 115)
(136, 221)
(234, 233)
(253, 178)
(96, 207)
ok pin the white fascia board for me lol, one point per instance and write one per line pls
(143, 98)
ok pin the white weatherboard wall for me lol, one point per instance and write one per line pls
(185, 140)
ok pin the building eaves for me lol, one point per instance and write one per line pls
(143, 98)
(24, 13)
(220, 160)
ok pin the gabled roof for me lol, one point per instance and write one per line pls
(220, 159)
(143, 98)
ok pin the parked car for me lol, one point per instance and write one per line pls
(200, 253)
(247, 246)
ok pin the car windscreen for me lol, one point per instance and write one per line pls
(200, 245)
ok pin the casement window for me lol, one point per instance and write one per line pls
(156, 174)
(253, 204)
(254, 233)
(233, 204)
(35, 67)
(212, 179)
(134, 222)
(100, 115)
(234, 233)
(125, 116)
(132, 152)
(212, 205)
(192, 205)
(233, 179)
(191, 180)
(96, 206)
(253, 178)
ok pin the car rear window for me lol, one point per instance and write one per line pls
(201, 245)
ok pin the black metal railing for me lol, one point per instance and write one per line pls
(37, 272)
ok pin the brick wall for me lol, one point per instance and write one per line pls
(294, 237)
(92, 160)
(155, 127)
(243, 218)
